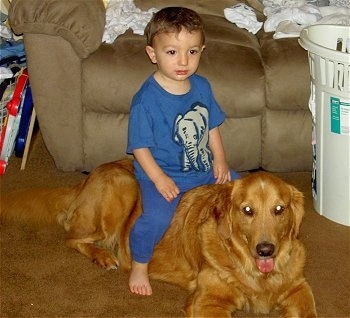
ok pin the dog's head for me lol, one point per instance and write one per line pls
(262, 213)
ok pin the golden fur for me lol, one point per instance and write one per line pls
(233, 246)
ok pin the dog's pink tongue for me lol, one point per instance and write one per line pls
(265, 265)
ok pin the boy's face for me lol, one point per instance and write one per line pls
(177, 54)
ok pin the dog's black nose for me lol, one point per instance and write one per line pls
(265, 249)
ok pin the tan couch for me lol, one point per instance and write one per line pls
(82, 88)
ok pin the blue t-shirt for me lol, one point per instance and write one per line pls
(175, 128)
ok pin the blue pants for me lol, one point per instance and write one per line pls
(156, 216)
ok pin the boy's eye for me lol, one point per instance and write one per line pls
(193, 52)
(171, 52)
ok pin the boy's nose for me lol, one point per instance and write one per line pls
(183, 59)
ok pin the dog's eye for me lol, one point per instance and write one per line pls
(279, 209)
(247, 210)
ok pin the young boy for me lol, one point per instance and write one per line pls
(173, 132)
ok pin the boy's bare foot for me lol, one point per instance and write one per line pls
(138, 280)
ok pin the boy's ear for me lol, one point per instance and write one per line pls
(151, 54)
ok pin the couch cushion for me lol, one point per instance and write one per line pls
(286, 141)
(242, 155)
(113, 74)
(287, 74)
(105, 137)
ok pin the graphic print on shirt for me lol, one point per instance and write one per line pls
(191, 131)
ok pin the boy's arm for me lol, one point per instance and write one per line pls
(220, 167)
(164, 184)
(148, 164)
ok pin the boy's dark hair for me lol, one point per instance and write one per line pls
(174, 19)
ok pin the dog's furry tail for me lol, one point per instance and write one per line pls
(35, 206)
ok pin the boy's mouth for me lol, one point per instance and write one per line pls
(181, 72)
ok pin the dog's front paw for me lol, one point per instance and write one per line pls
(106, 260)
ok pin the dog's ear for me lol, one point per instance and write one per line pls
(225, 227)
(222, 212)
(217, 204)
(297, 207)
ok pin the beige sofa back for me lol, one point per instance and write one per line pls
(82, 88)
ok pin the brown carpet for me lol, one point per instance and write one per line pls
(40, 277)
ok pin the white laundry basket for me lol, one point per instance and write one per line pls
(329, 60)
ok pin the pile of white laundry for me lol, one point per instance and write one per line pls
(340, 3)
(284, 17)
(287, 20)
(287, 17)
(122, 15)
(244, 17)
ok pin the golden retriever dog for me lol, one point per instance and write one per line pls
(233, 246)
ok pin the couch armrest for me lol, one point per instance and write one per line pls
(79, 22)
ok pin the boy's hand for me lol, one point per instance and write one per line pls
(167, 187)
(221, 172)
